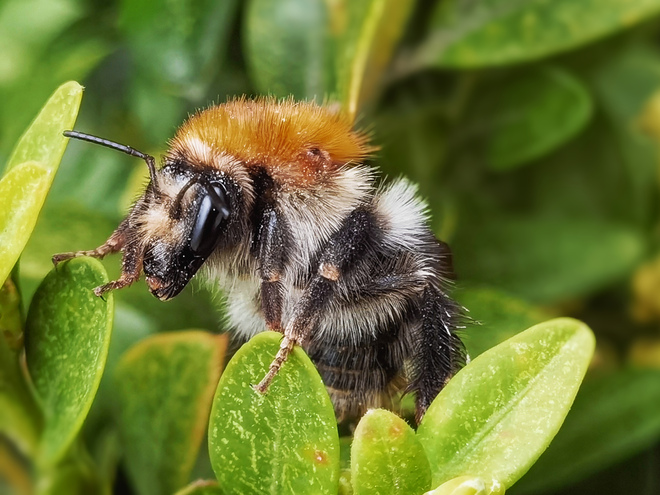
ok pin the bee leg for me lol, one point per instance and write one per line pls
(114, 244)
(346, 246)
(131, 268)
(439, 353)
(271, 252)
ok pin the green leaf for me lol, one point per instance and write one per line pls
(67, 338)
(496, 32)
(614, 416)
(544, 259)
(499, 317)
(534, 114)
(30, 172)
(284, 441)
(500, 412)
(386, 457)
(287, 46)
(468, 485)
(201, 487)
(369, 31)
(164, 387)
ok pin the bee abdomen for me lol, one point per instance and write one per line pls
(359, 376)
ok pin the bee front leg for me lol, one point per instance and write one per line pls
(114, 244)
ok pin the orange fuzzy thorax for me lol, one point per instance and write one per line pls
(296, 141)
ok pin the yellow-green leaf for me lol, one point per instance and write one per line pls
(387, 458)
(282, 442)
(165, 385)
(500, 412)
(369, 30)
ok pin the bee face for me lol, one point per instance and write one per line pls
(180, 222)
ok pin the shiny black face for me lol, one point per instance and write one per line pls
(169, 267)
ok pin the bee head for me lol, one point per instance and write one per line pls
(186, 212)
(181, 221)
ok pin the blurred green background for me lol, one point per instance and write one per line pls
(530, 126)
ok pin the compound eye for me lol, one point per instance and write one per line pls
(213, 209)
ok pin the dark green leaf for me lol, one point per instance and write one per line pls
(497, 316)
(534, 114)
(20, 418)
(283, 442)
(613, 417)
(287, 45)
(496, 32)
(500, 412)
(67, 338)
(177, 42)
(367, 34)
(545, 259)
(75, 474)
(387, 458)
(11, 317)
(164, 388)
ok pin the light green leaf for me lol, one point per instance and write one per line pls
(498, 315)
(287, 45)
(496, 32)
(164, 387)
(545, 259)
(282, 442)
(30, 172)
(614, 416)
(67, 338)
(387, 458)
(467, 485)
(500, 412)
(368, 32)
(534, 114)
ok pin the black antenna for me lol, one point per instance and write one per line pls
(151, 162)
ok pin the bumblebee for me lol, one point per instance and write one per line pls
(272, 202)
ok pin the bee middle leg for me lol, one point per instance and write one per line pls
(342, 250)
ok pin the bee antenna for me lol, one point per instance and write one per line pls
(151, 162)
